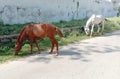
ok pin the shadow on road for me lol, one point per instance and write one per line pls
(75, 53)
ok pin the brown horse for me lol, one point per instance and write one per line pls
(34, 31)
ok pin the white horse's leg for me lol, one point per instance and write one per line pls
(98, 30)
(102, 27)
(91, 33)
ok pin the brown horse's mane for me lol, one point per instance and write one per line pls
(18, 40)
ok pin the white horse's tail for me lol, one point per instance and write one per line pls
(107, 20)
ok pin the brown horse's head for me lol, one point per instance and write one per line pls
(19, 41)
(18, 47)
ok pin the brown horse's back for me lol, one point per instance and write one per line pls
(42, 30)
(36, 31)
(51, 30)
(39, 30)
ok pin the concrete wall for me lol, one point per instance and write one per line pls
(24, 11)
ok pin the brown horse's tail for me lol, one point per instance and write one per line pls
(59, 32)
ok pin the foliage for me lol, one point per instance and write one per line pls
(11, 29)
(112, 25)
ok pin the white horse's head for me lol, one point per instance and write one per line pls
(87, 30)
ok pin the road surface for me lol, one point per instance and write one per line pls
(95, 58)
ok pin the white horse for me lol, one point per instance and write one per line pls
(92, 21)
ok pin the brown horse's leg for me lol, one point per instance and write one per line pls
(56, 43)
(37, 45)
(52, 46)
(56, 47)
(31, 45)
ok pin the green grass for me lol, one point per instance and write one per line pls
(113, 25)
(7, 50)
(72, 23)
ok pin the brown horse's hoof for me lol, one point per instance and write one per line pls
(31, 53)
(38, 52)
(50, 52)
(57, 53)
(15, 54)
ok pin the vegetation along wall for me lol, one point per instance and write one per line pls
(25, 11)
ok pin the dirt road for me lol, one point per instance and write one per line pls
(96, 58)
